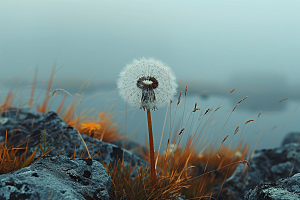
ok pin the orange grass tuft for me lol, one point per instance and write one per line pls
(102, 128)
(89, 126)
(123, 187)
(178, 160)
(10, 160)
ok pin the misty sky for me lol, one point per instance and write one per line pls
(207, 40)
(253, 46)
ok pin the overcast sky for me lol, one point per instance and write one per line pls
(253, 46)
(207, 40)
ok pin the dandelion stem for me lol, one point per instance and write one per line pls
(152, 162)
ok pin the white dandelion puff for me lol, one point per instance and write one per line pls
(147, 83)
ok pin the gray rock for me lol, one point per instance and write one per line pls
(58, 178)
(292, 137)
(131, 145)
(63, 178)
(61, 136)
(267, 165)
(283, 189)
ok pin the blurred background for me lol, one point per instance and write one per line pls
(212, 46)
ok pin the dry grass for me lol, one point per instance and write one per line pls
(84, 124)
(167, 187)
(209, 165)
(10, 160)
(7, 103)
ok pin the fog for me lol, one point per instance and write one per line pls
(211, 46)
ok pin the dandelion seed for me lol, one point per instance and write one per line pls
(147, 83)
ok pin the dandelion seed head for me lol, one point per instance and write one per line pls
(147, 83)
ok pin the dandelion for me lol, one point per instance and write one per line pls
(147, 84)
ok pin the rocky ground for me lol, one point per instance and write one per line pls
(59, 177)
(267, 166)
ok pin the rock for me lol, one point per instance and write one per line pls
(131, 145)
(61, 136)
(283, 189)
(267, 165)
(292, 137)
(58, 178)
(63, 178)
